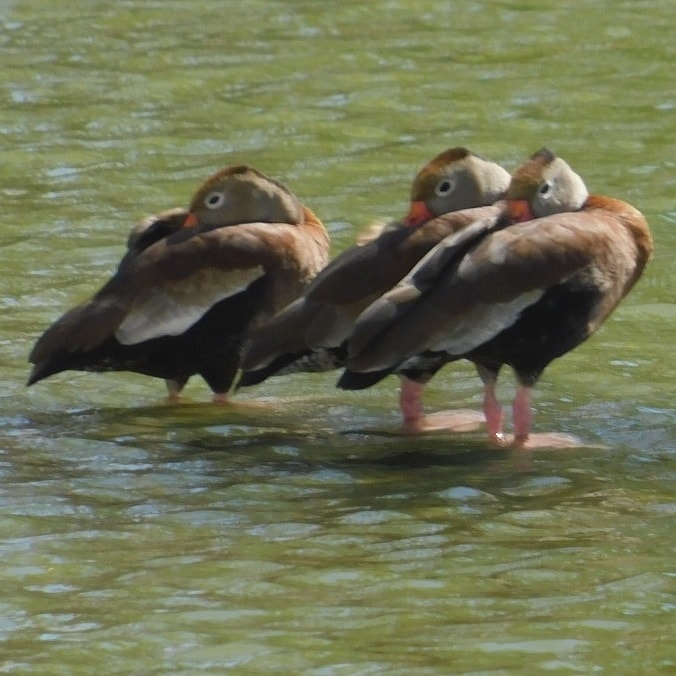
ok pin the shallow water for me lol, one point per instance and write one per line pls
(297, 532)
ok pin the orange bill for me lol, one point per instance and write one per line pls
(418, 214)
(190, 221)
(519, 211)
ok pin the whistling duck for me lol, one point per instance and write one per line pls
(191, 285)
(311, 333)
(522, 291)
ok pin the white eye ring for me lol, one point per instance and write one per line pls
(214, 200)
(444, 187)
(545, 189)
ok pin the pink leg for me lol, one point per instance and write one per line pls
(174, 391)
(522, 415)
(492, 412)
(410, 400)
(415, 420)
(221, 398)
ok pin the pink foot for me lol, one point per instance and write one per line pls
(522, 415)
(548, 440)
(462, 420)
(173, 391)
(416, 422)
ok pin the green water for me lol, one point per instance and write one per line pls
(302, 535)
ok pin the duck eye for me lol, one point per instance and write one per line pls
(444, 187)
(214, 200)
(545, 188)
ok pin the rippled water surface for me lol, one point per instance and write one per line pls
(298, 532)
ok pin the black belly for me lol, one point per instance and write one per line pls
(211, 347)
(554, 325)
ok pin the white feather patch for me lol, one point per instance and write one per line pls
(483, 322)
(172, 310)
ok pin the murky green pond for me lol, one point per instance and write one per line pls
(297, 533)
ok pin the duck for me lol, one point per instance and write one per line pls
(521, 292)
(452, 190)
(191, 284)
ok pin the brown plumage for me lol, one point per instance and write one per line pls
(515, 293)
(311, 333)
(192, 284)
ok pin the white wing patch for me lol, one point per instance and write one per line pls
(483, 322)
(172, 310)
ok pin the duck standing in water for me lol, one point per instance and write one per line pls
(522, 292)
(191, 285)
(311, 334)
